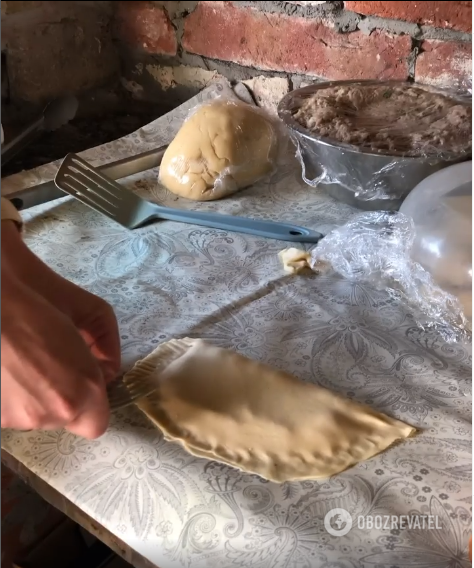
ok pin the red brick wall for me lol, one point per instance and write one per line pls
(449, 15)
(425, 41)
(177, 47)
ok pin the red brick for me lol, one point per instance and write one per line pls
(277, 42)
(446, 64)
(451, 15)
(145, 26)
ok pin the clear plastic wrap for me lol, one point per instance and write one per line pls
(223, 146)
(376, 248)
(367, 141)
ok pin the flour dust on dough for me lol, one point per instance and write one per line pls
(225, 407)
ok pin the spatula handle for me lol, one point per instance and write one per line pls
(14, 146)
(267, 229)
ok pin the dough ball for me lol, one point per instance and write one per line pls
(223, 147)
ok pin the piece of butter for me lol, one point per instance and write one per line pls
(294, 260)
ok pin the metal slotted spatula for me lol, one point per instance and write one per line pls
(87, 184)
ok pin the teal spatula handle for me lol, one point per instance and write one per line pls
(266, 229)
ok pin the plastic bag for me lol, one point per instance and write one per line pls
(375, 140)
(222, 147)
(376, 248)
(441, 209)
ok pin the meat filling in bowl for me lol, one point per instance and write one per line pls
(404, 119)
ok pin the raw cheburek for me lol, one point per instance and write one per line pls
(223, 406)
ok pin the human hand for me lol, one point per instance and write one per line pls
(60, 345)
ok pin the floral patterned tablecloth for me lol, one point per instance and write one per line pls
(172, 280)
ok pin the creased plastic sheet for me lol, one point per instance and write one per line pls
(376, 248)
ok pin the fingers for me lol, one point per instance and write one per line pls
(99, 329)
(95, 320)
(91, 315)
(50, 379)
(85, 414)
(62, 346)
(92, 421)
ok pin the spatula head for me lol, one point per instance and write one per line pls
(87, 184)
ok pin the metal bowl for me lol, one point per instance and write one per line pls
(363, 179)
